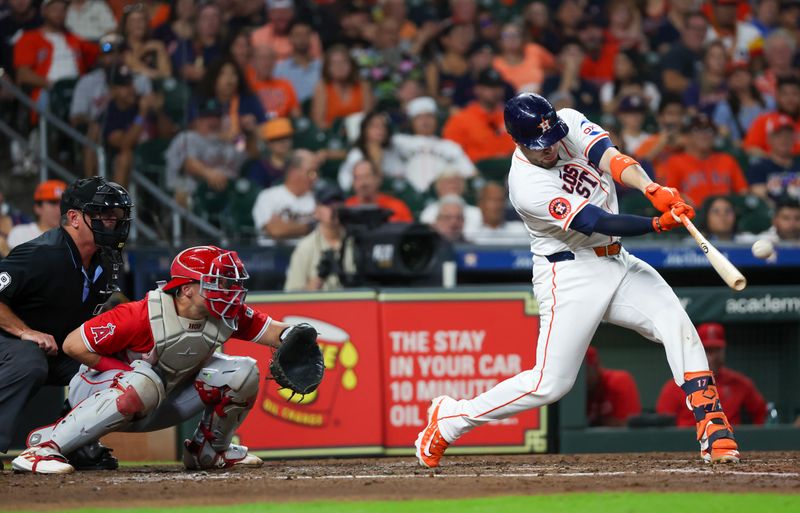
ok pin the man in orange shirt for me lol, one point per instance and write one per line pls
(598, 65)
(787, 103)
(48, 54)
(479, 127)
(275, 34)
(736, 390)
(611, 396)
(699, 171)
(276, 95)
(366, 186)
(657, 148)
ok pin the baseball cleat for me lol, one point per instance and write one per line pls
(197, 457)
(42, 459)
(430, 443)
(724, 450)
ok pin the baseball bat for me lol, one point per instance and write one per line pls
(722, 265)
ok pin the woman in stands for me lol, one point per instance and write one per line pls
(143, 54)
(341, 91)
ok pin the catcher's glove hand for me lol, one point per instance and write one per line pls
(297, 363)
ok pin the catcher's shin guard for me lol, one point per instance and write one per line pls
(228, 387)
(131, 394)
(715, 434)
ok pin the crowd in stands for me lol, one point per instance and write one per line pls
(248, 106)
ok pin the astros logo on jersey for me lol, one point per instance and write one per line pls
(560, 208)
(101, 333)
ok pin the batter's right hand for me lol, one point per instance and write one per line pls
(43, 340)
(663, 198)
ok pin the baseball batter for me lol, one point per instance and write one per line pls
(561, 184)
(151, 364)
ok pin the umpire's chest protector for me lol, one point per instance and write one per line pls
(182, 345)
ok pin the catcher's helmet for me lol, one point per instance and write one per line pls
(96, 196)
(532, 122)
(221, 275)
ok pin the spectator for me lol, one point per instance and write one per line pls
(366, 191)
(316, 262)
(90, 19)
(779, 51)
(386, 64)
(6, 225)
(479, 128)
(540, 26)
(143, 54)
(398, 11)
(242, 112)
(740, 38)
(452, 184)
(124, 123)
(22, 15)
(787, 103)
(424, 154)
(246, 14)
(157, 11)
(628, 80)
(631, 114)
(180, 25)
(567, 88)
(734, 115)
(277, 134)
(625, 25)
(45, 55)
(240, 50)
(286, 211)
(300, 68)
(665, 21)
(736, 391)
(479, 58)
(520, 63)
(275, 34)
(202, 153)
(450, 64)
(598, 65)
(46, 208)
(766, 16)
(341, 91)
(711, 86)
(277, 96)
(464, 11)
(680, 64)
(354, 29)
(790, 15)
(785, 222)
(449, 220)
(192, 56)
(657, 148)
(568, 16)
(778, 173)
(611, 395)
(374, 143)
(718, 219)
(699, 171)
(494, 228)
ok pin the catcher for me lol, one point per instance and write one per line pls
(151, 364)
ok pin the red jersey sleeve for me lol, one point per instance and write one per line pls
(252, 325)
(126, 326)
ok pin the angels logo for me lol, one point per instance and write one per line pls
(560, 208)
(101, 333)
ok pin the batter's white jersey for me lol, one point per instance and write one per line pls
(547, 200)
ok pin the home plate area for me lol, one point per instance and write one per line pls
(402, 478)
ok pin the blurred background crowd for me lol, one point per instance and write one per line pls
(248, 111)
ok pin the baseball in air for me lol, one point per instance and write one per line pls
(763, 248)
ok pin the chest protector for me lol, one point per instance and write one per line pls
(181, 345)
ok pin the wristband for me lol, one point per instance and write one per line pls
(619, 163)
(657, 225)
(107, 363)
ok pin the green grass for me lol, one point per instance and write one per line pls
(563, 503)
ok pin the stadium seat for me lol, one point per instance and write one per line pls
(494, 169)
(177, 96)
(752, 212)
(149, 160)
(60, 97)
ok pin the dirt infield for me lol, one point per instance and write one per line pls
(401, 478)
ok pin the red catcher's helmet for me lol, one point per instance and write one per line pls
(221, 275)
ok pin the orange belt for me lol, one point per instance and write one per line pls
(607, 251)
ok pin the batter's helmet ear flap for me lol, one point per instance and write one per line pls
(532, 122)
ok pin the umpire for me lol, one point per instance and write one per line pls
(50, 286)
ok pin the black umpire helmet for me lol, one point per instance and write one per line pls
(96, 196)
(532, 122)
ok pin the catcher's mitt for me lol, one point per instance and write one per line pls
(297, 363)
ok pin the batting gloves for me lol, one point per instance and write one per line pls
(663, 198)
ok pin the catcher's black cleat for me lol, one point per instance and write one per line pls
(94, 456)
